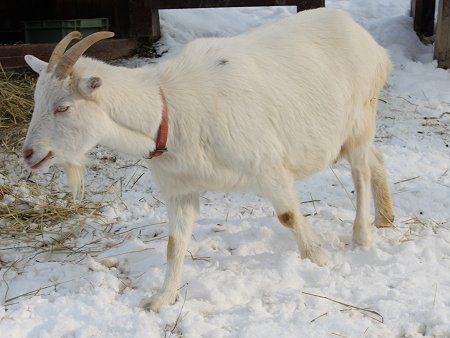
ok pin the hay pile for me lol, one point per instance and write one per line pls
(16, 104)
(33, 215)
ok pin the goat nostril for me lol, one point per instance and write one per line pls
(27, 153)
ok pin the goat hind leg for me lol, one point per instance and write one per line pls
(359, 162)
(384, 213)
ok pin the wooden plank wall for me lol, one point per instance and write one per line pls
(131, 20)
(115, 10)
(170, 4)
(442, 44)
(11, 56)
(14, 13)
(300, 4)
(128, 18)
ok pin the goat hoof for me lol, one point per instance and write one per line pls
(158, 300)
(362, 236)
(316, 255)
(383, 222)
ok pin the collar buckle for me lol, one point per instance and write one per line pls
(155, 153)
(163, 130)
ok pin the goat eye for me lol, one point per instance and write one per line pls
(61, 109)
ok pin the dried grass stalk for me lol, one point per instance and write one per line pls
(30, 211)
(16, 104)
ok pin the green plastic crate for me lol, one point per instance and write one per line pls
(54, 30)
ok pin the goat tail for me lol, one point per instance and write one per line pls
(384, 69)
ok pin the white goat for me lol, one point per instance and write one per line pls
(252, 112)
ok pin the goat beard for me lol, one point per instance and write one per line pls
(75, 179)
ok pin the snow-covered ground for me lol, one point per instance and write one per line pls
(243, 276)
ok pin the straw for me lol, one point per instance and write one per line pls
(16, 104)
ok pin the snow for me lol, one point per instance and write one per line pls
(244, 278)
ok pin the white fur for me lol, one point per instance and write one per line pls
(75, 179)
(253, 112)
(37, 65)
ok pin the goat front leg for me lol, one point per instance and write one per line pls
(182, 210)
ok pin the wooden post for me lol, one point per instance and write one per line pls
(309, 4)
(423, 13)
(144, 19)
(442, 44)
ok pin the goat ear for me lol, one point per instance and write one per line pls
(89, 85)
(37, 65)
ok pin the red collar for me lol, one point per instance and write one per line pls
(163, 132)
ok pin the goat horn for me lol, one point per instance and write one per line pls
(69, 59)
(60, 48)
